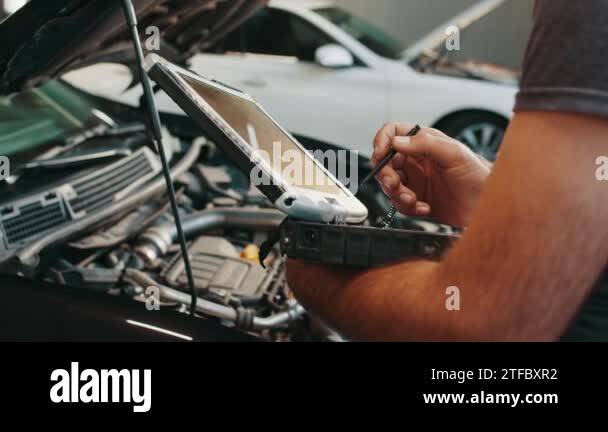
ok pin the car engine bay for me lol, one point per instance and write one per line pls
(107, 227)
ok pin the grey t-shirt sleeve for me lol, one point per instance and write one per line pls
(566, 63)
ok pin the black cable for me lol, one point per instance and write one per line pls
(158, 138)
(389, 217)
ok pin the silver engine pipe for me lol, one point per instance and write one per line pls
(156, 241)
(215, 310)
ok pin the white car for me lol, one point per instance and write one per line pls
(334, 79)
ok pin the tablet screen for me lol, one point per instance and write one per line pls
(294, 165)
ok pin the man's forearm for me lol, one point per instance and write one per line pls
(370, 305)
(416, 306)
(404, 302)
(409, 302)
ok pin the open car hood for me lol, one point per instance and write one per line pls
(47, 38)
(462, 21)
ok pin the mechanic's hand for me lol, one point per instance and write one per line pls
(433, 174)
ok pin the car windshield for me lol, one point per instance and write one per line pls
(33, 118)
(372, 37)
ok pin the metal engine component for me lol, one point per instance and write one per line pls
(120, 231)
(240, 316)
(156, 241)
(221, 274)
(27, 257)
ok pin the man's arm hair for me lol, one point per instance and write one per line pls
(537, 244)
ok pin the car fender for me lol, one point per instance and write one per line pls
(427, 98)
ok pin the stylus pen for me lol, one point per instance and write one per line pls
(387, 159)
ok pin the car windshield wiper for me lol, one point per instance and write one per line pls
(58, 159)
(77, 161)
(102, 131)
(81, 160)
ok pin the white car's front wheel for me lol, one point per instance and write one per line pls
(481, 132)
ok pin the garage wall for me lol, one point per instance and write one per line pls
(500, 38)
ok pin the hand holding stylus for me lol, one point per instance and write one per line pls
(428, 173)
(387, 159)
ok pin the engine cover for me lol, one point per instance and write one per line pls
(220, 272)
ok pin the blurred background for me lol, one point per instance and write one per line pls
(406, 20)
(490, 40)
(316, 64)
